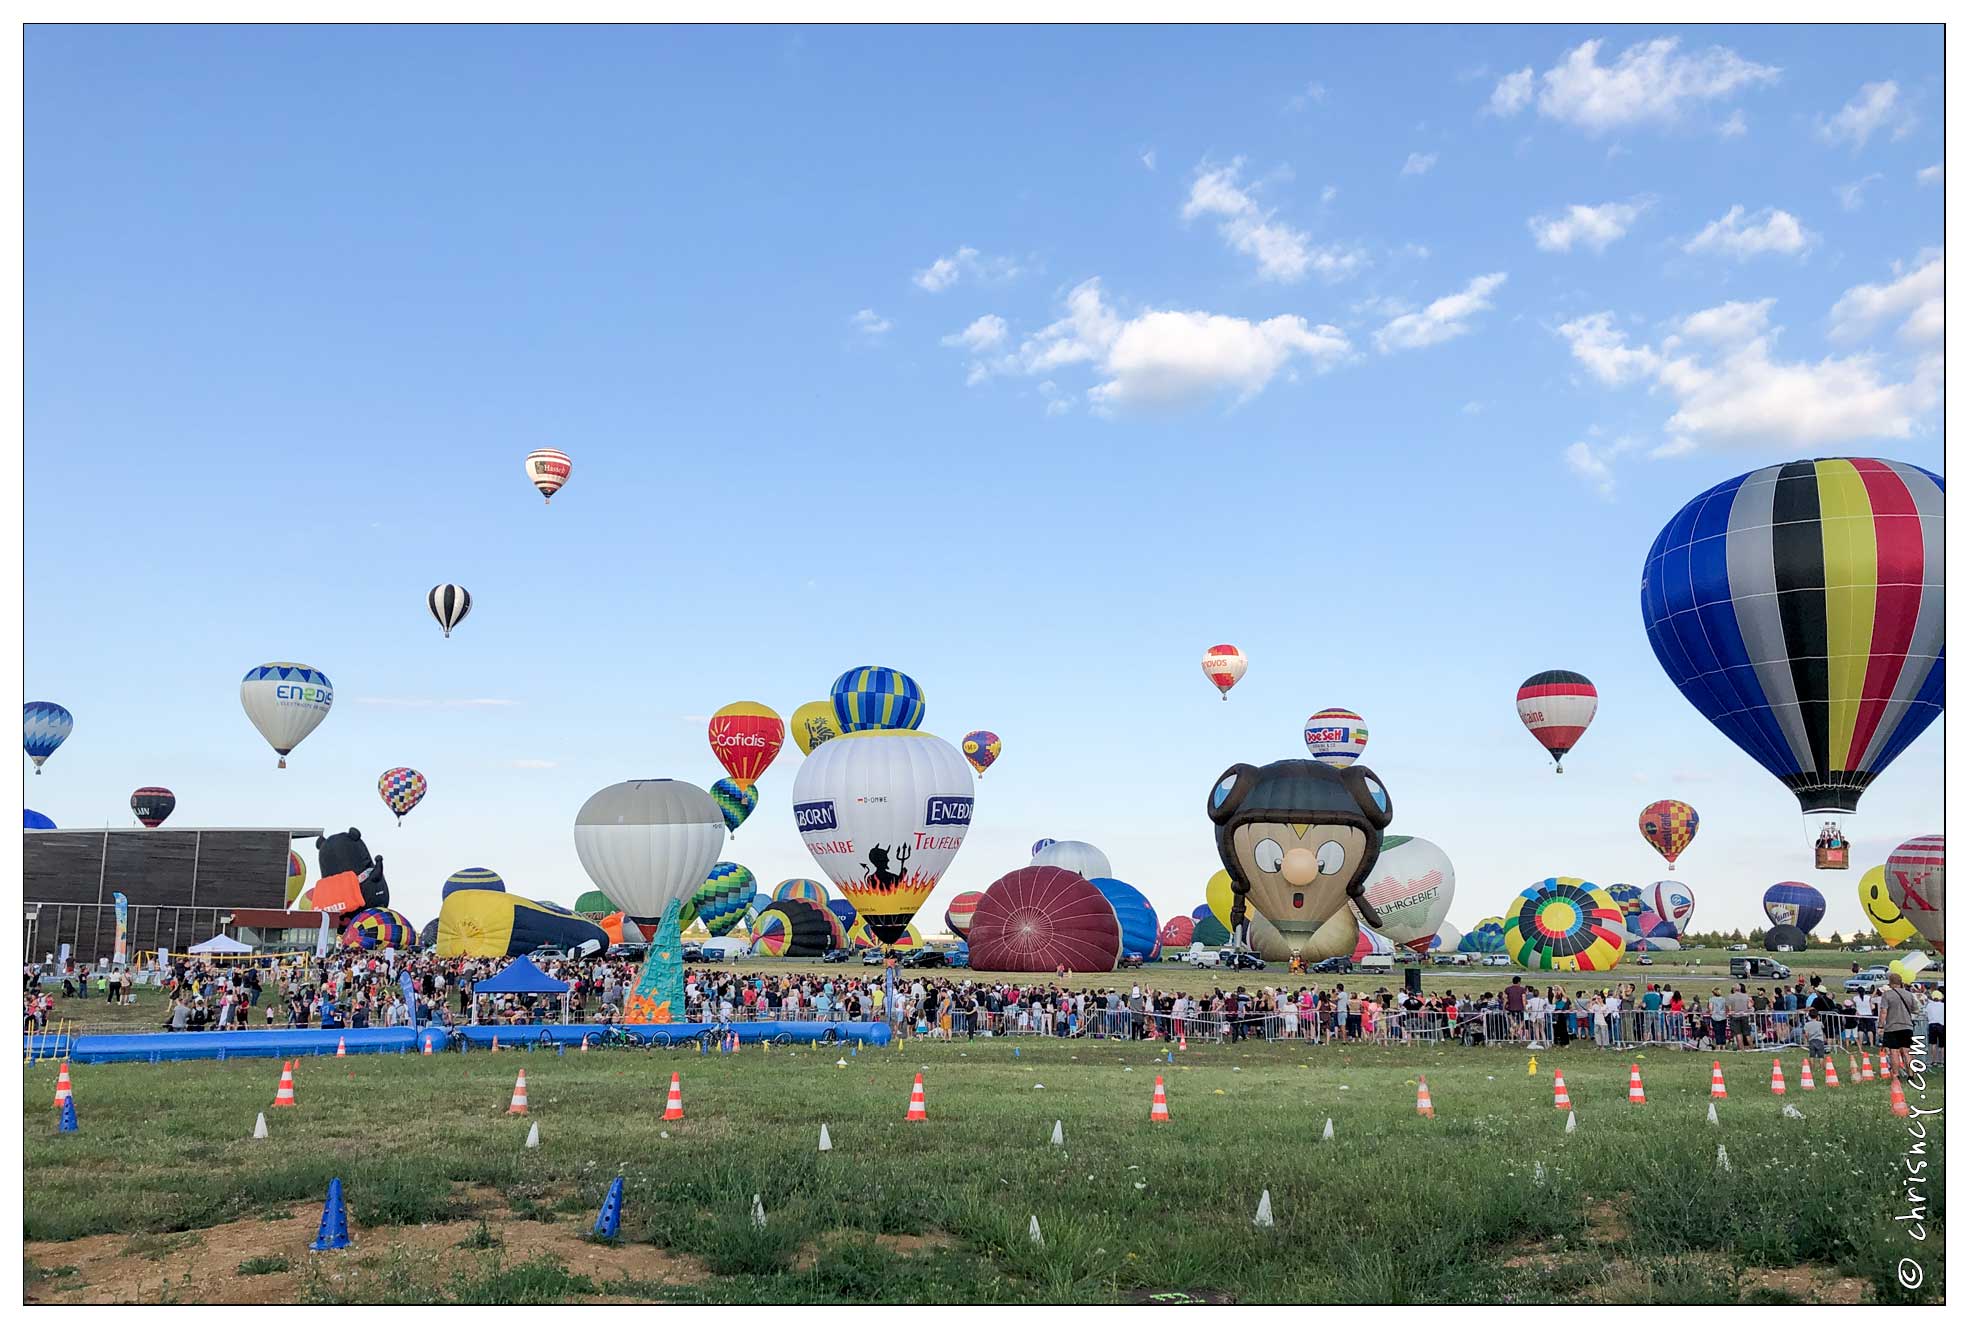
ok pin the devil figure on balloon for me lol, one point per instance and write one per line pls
(1299, 839)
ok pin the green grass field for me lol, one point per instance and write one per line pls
(163, 1196)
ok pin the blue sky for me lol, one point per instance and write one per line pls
(1031, 362)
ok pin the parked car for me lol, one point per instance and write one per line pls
(1758, 966)
(629, 950)
(873, 955)
(927, 957)
(1450, 957)
(693, 953)
(1203, 957)
(1497, 961)
(1645, 961)
(1868, 979)
(1338, 964)
(1741, 946)
(837, 956)
(1233, 959)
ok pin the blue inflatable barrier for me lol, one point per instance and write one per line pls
(44, 1047)
(480, 1036)
(93, 1048)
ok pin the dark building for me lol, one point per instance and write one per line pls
(181, 884)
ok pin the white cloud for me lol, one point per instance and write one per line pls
(1442, 320)
(1592, 228)
(1418, 163)
(981, 334)
(1594, 463)
(1650, 82)
(1283, 252)
(870, 323)
(1729, 388)
(966, 264)
(1772, 231)
(1915, 296)
(1148, 159)
(1512, 93)
(1734, 127)
(1852, 197)
(1874, 107)
(1311, 95)
(1929, 175)
(1166, 357)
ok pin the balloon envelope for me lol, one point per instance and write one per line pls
(297, 877)
(645, 843)
(448, 605)
(745, 737)
(1224, 665)
(1133, 912)
(285, 702)
(801, 888)
(1798, 607)
(957, 917)
(1669, 824)
(402, 789)
(1556, 706)
(981, 749)
(1412, 886)
(1916, 880)
(1673, 901)
(792, 930)
(44, 727)
(720, 903)
(1795, 904)
(1336, 736)
(735, 801)
(1075, 856)
(872, 697)
(1037, 918)
(1449, 937)
(1176, 933)
(884, 813)
(36, 821)
(548, 469)
(471, 879)
(1882, 914)
(153, 804)
(1486, 938)
(370, 929)
(496, 923)
(813, 724)
(1564, 923)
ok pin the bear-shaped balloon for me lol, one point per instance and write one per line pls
(1299, 839)
(350, 878)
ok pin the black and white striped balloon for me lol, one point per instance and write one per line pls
(449, 605)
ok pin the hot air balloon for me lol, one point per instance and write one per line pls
(1487, 938)
(1259, 934)
(735, 801)
(1037, 918)
(958, 916)
(472, 879)
(1556, 706)
(1630, 901)
(153, 804)
(428, 937)
(813, 724)
(1075, 856)
(872, 697)
(1223, 665)
(801, 888)
(1176, 933)
(1370, 942)
(371, 928)
(1786, 937)
(1916, 879)
(646, 843)
(448, 605)
(1672, 901)
(981, 748)
(792, 930)
(402, 789)
(297, 877)
(745, 737)
(720, 903)
(548, 470)
(594, 906)
(285, 702)
(36, 821)
(843, 911)
(1669, 824)
(1449, 937)
(883, 812)
(496, 923)
(1799, 608)
(1794, 904)
(1336, 736)
(1411, 887)
(1133, 912)
(1649, 931)
(1882, 914)
(1206, 929)
(1038, 845)
(44, 726)
(1564, 923)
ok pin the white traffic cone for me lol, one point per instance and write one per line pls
(825, 1143)
(1059, 1134)
(533, 1136)
(758, 1213)
(1263, 1218)
(1572, 1123)
(1032, 1232)
(1327, 1134)
(260, 1126)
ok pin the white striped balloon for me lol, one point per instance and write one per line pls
(449, 604)
(548, 469)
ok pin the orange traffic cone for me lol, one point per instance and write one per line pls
(1423, 1107)
(518, 1108)
(1716, 1089)
(1777, 1077)
(427, 1045)
(1805, 1074)
(284, 1096)
(1159, 1105)
(1853, 1068)
(63, 1091)
(674, 1109)
(1831, 1074)
(1866, 1067)
(1182, 1042)
(495, 1040)
(917, 1112)
(1897, 1100)
(584, 1042)
(341, 1047)
(1560, 1098)
(1635, 1094)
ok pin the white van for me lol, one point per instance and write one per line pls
(1376, 964)
(1203, 957)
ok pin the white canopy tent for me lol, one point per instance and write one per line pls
(221, 945)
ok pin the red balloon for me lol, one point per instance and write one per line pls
(958, 917)
(1177, 933)
(1038, 918)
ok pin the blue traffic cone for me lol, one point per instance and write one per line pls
(1015, 1052)
(69, 1126)
(560, 1049)
(334, 1234)
(608, 1223)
